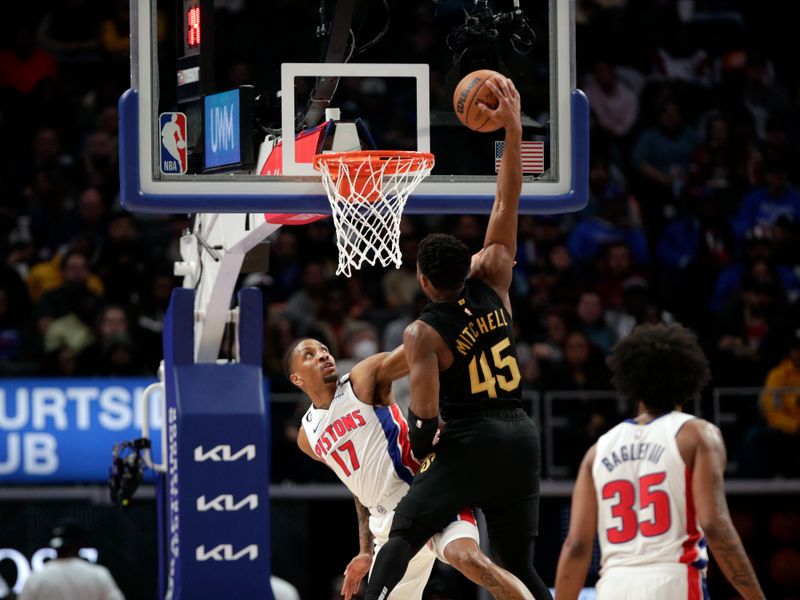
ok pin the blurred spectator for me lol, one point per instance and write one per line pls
(773, 449)
(70, 28)
(113, 351)
(75, 279)
(19, 344)
(780, 145)
(285, 267)
(49, 275)
(583, 367)
(361, 340)
(758, 249)
(662, 155)
(547, 348)
(123, 261)
(592, 320)
(612, 224)
(613, 104)
(763, 95)
(24, 65)
(151, 313)
(333, 320)
(680, 60)
(48, 155)
(400, 285)
(692, 251)
(68, 577)
(638, 306)
(303, 304)
(613, 269)
(765, 205)
(605, 181)
(747, 340)
(115, 35)
(100, 163)
(722, 163)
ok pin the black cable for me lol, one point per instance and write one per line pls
(380, 35)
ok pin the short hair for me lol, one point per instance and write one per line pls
(661, 366)
(287, 356)
(444, 260)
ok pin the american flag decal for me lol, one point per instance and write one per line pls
(532, 156)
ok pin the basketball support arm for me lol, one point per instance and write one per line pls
(212, 256)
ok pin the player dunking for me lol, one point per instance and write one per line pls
(354, 427)
(461, 356)
(652, 488)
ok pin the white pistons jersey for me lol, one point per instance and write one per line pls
(646, 511)
(366, 446)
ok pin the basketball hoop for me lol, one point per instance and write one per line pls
(367, 191)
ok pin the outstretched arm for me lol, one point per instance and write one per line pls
(372, 377)
(576, 553)
(708, 486)
(359, 565)
(500, 243)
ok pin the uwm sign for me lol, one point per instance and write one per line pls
(226, 502)
(223, 453)
(225, 552)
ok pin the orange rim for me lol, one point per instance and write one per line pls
(357, 158)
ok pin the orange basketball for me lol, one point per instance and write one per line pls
(470, 93)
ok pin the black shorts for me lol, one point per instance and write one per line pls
(490, 461)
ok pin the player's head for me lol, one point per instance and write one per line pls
(442, 264)
(308, 364)
(68, 538)
(660, 366)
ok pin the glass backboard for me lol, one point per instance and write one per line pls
(227, 100)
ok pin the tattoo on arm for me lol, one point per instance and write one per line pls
(495, 587)
(727, 548)
(365, 537)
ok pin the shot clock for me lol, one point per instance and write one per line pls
(195, 49)
(191, 27)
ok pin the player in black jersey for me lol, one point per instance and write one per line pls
(463, 364)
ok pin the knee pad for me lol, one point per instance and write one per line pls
(411, 531)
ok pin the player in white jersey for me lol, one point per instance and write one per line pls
(355, 427)
(652, 488)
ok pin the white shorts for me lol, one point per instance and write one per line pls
(653, 582)
(419, 568)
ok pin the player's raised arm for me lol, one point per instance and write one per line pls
(421, 341)
(708, 485)
(372, 377)
(576, 553)
(500, 243)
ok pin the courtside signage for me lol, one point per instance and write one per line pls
(63, 430)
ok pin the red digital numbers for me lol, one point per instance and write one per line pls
(625, 508)
(351, 451)
(193, 27)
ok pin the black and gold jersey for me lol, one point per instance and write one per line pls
(484, 374)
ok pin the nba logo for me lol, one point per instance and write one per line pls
(172, 126)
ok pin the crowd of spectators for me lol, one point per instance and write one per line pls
(694, 213)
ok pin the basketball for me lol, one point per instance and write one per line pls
(469, 94)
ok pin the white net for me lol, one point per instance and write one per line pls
(367, 191)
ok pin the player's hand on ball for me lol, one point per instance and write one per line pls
(354, 573)
(508, 107)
